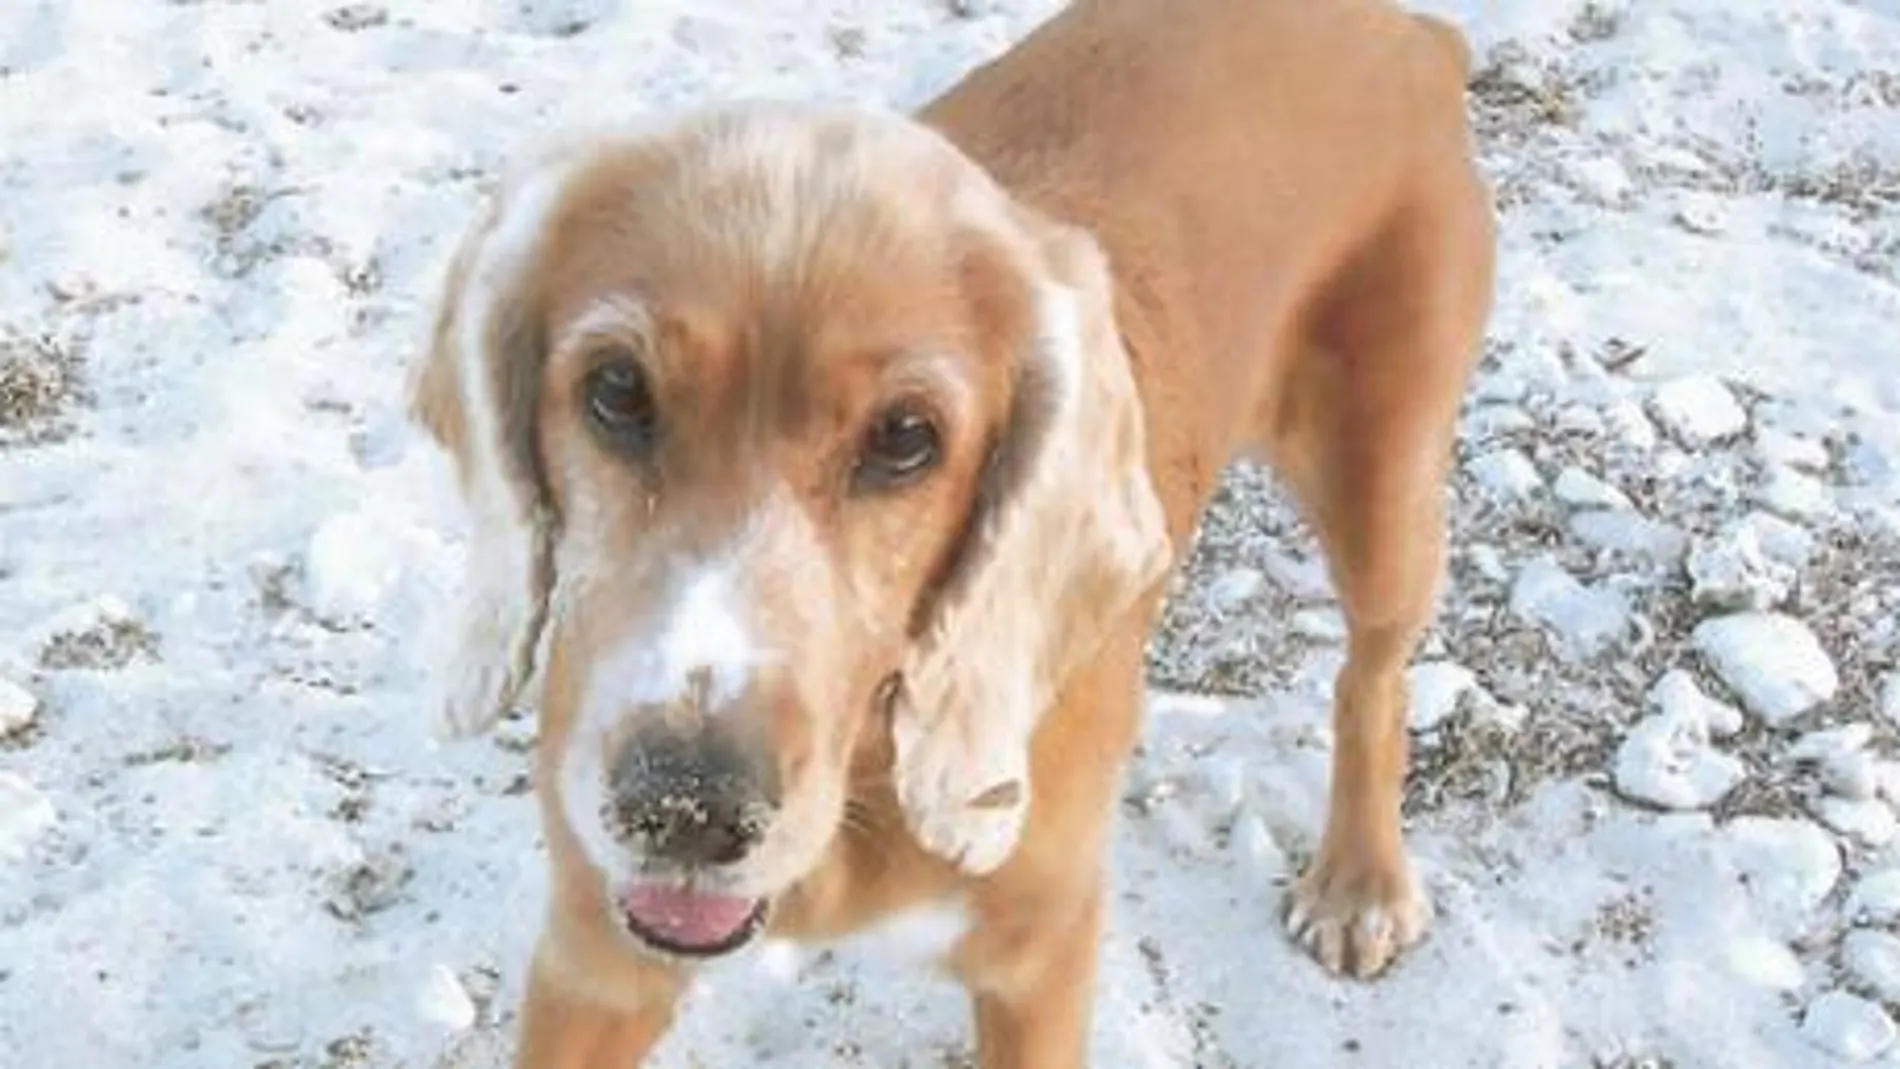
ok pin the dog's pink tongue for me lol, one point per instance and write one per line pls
(687, 918)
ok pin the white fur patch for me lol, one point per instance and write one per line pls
(921, 936)
(699, 638)
(925, 935)
(701, 634)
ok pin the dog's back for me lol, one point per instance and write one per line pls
(1148, 121)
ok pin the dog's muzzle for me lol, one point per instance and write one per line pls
(689, 803)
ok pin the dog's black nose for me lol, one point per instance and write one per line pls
(693, 798)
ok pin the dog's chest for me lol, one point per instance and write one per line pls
(921, 937)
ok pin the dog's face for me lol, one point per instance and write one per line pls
(760, 416)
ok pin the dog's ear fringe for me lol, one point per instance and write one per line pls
(1070, 531)
(487, 635)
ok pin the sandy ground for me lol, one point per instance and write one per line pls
(1656, 724)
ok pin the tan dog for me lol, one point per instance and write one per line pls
(827, 466)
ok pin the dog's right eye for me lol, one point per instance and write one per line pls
(620, 404)
(901, 446)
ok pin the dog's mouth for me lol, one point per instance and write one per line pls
(690, 923)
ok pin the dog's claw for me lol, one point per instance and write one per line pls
(1357, 925)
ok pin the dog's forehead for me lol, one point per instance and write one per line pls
(767, 193)
(827, 235)
(764, 167)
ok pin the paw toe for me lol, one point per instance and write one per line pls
(1356, 928)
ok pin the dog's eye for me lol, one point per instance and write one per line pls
(620, 403)
(899, 447)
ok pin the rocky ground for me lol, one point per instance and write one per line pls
(1657, 722)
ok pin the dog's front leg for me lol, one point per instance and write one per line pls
(1033, 1005)
(563, 1026)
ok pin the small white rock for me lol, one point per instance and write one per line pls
(1847, 768)
(1626, 420)
(1781, 448)
(1870, 823)
(1828, 744)
(1876, 898)
(1866, 464)
(1489, 562)
(1788, 543)
(1321, 625)
(1497, 390)
(1854, 775)
(1890, 698)
(1766, 962)
(1773, 663)
(1887, 781)
(1698, 410)
(1701, 213)
(1668, 762)
(443, 1000)
(1580, 489)
(18, 707)
(25, 812)
(1673, 465)
(1490, 712)
(1787, 492)
(1585, 620)
(1601, 178)
(1676, 695)
(1848, 1027)
(1301, 578)
(1507, 473)
(1873, 958)
(102, 613)
(1235, 586)
(1579, 418)
(1788, 867)
(779, 961)
(517, 733)
(1629, 533)
(352, 564)
(1730, 572)
(1491, 421)
(1437, 687)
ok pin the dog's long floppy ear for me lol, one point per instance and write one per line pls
(1068, 531)
(475, 391)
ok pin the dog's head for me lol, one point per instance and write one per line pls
(755, 413)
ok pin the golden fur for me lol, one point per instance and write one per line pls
(1149, 238)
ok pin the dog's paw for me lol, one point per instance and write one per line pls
(1356, 919)
(964, 791)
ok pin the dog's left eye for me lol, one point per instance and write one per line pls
(620, 402)
(900, 446)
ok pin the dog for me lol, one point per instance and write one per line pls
(827, 466)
